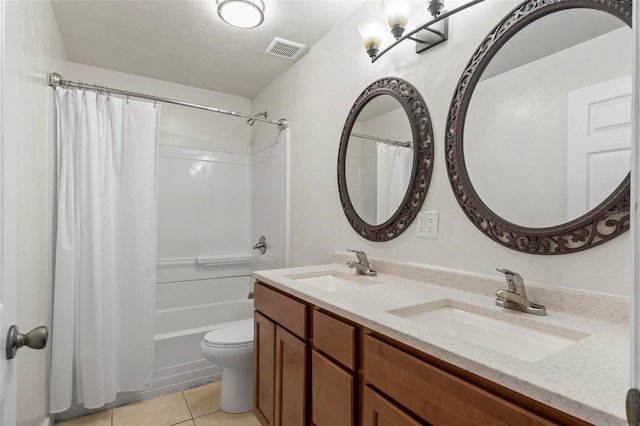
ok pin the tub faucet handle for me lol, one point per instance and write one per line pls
(261, 245)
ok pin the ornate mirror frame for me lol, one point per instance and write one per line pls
(589, 230)
(422, 133)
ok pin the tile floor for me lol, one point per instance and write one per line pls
(194, 407)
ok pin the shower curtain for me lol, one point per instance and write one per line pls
(104, 290)
(393, 174)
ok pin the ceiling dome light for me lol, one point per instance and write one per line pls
(241, 13)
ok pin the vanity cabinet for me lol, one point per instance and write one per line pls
(280, 359)
(264, 376)
(333, 371)
(434, 395)
(314, 368)
(378, 411)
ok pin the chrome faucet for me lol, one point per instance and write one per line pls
(362, 265)
(515, 296)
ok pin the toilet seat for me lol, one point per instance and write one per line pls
(237, 335)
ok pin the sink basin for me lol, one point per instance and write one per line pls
(332, 280)
(524, 341)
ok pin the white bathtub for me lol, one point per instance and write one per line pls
(177, 357)
(186, 312)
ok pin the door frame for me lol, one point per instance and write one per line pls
(9, 51)
(635, 197)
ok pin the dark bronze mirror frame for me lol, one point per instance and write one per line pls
(603, 223)
(422, 133)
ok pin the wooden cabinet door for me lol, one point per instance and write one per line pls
(332, 393)
(291, 380)
(264, 357)
(377, 411)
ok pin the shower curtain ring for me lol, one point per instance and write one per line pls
(155, 101)
(127, 94)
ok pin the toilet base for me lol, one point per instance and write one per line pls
(236, 393)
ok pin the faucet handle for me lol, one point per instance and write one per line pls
(507, 271)
(514, 281)
(362, 257)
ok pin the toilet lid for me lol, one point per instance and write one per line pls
(238, 334)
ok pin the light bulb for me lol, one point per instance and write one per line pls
(371, 33)
(397, 13)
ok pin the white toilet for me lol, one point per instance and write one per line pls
(231, 347)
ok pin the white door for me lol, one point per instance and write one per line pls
(599, 143)
(8, 221)
(270, 198)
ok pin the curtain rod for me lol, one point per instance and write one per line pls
(382, 140)
(56, 80)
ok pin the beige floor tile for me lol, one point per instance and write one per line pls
(203, 399)
(102, 418)
(161, 411)
(220, 418)
(187, 423)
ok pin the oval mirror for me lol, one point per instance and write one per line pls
(539, 141)
(385, 159)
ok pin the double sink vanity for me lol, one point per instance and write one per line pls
(416, 345)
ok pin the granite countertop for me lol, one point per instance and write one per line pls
(589, 379)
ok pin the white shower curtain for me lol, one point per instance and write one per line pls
(104, 291)
(393, 174)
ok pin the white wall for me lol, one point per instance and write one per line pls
(41, 51)
(316, 94)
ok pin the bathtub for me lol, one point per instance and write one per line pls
(186, 311)
(177, 358)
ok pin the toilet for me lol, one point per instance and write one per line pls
(231, 347)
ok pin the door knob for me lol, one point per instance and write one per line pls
(35, 339)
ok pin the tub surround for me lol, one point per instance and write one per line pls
(588, 380)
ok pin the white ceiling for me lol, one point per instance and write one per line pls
(184, 41)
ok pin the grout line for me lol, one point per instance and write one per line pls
(187, 403)
(111, 412)
(207, 414)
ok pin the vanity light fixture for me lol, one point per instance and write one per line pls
(426, 36)
(241, 13)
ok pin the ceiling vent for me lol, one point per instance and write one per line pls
(284, 48)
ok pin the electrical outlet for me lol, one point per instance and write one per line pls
(427, 224)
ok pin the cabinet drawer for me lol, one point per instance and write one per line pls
(435, 395)
(332, 393)
(335, 338)
(377, 411)
(284, 310)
